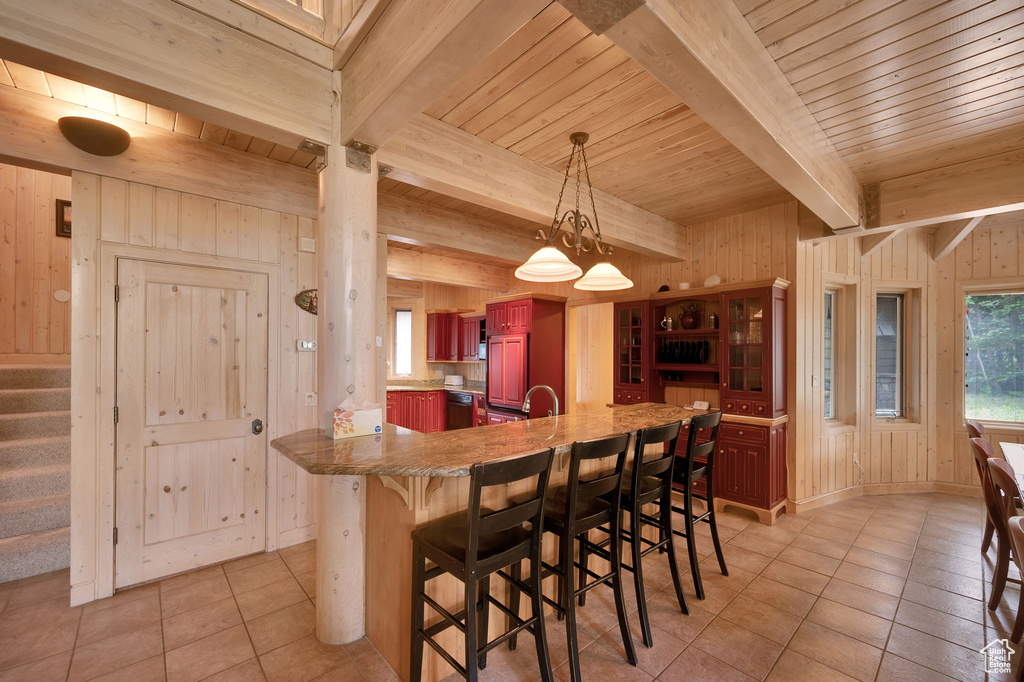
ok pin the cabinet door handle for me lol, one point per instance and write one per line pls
(739, 433)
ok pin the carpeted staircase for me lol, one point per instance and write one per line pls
(35, 470)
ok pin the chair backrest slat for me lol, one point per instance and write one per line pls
(657, 466)
(503, 472)
(590, 486)
(983, 452)
(699, 422)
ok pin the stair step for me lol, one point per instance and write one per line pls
(35, 376)
(17, 400)
(21, 517)
(37, 481)
(22, 556)
(32, 452)
(35, 425)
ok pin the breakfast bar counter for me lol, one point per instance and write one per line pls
(409, 478)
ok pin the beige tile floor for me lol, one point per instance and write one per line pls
(886, 588)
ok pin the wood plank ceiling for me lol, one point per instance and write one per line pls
(902, 86)
(46, 84)
(554, 77)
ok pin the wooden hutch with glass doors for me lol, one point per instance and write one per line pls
(729, 340)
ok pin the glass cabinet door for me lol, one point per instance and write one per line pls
(629, 344)
(746, 354)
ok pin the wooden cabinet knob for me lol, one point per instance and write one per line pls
(739, 433)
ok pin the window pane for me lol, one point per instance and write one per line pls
(889, 355)
(827, 357)
(403, 342)
(994, 364)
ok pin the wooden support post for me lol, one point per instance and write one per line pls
(347, 367)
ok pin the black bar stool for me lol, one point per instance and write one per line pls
(696, 465)
(471, 547)
(649, 482)
(584, 503)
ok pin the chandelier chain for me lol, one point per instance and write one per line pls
(593, 204)
(558, 206)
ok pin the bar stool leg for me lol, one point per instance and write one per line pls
(484, 608)
(568, 602)
(563, 579)
(539, 632)
(416, 657)
(472, 672)
(584, 561)
(691, 544)
(615, 550)
(516, 571)
(636, 549)
(714, 527)
(666, 532)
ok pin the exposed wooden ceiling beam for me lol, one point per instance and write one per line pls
(950, 234)
(427, 267)
(403, 288)
(706, 53)
(991, 184)
(415, 222)
(171, 56)
(440, 157)
(29, 135)
(416, 50)
(357, 30)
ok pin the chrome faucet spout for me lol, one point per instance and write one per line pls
(554, 397)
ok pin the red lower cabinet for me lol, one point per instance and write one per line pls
(416, 410)
(750, 465)
(496, 417)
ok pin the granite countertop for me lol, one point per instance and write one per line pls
(402, 452)
(474, 387)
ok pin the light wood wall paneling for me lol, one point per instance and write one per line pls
(34, 264)
(115, 218)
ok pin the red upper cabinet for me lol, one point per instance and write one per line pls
(452, 329)
(433, 326)
(469, 337)
(443, 337)
(519, 316)
(753, 364)
(497, 318)
(634, 380)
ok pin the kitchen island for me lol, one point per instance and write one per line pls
(411, 478)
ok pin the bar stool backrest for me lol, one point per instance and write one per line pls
(975, 429)
(531, 510)
(598, 485)
(711, 420)
(1004, 484)
(659, 467)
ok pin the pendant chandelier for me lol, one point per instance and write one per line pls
(551, 265)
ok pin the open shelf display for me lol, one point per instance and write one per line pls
(687, 356)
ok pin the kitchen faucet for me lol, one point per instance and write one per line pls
(554, 396)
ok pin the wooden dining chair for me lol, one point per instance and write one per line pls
(975, 429)
(982, 450)
(1005, 489)
(1016, 526)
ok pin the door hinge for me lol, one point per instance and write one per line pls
(115, 535)
(117, 293)
(115, 414)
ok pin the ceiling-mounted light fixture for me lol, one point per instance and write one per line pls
(551, 265)
(94, 136)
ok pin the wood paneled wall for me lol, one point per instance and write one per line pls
(125, 219)
(34, 263)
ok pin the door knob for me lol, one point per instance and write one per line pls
(257, 426)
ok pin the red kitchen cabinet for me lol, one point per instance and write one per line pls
(469, 337)
(510, 317)
(751, 465)
(437, 337)
(417, 410)
(452, 329)
(507, 370)
(496, 417)
(633, 377)
(496, 318)
(753, 364)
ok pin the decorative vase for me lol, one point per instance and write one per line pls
(713, 320)
(689, 320)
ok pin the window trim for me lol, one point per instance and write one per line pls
(901, 356)
(393, 345)
(914, 320)
(995, 285)
(830, 299)
(846, 352)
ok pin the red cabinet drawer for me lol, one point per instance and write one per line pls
(743, 432)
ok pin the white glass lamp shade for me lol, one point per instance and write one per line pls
(548, 265)
(603, 277)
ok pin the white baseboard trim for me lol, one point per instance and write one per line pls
(83, 593)
(817, 501)
(296, 536)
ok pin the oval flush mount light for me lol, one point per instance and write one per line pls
(94, 136)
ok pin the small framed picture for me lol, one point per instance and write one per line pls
(63, 218)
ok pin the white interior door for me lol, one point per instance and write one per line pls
(191, 381)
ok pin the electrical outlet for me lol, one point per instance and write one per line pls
(311, 400)
(305, 345)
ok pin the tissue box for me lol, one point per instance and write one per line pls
(352, 423)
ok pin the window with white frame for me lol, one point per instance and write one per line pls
(994, 356)
(828, 345)
(402, 352)
(890, 355)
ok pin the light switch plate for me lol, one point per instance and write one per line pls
(307, 245)
(305, 345)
